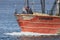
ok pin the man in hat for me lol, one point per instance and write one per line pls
(27, 10)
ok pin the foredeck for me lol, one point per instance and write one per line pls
(36, 14)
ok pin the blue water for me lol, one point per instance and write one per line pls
(8, 23)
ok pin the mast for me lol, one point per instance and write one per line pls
(43, 6)
(53, 7)
(27, 3)
(58, 7)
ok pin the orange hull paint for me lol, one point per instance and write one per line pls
(39, 24)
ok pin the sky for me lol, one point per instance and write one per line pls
(7, 7)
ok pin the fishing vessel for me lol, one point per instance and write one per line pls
(40, 22)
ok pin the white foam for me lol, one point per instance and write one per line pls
(26, 34)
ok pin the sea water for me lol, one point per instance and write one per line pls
(9, 28)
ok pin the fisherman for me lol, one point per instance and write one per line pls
(27, 10)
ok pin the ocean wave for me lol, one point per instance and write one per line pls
(26, 34)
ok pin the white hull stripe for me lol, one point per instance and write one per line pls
(40, 27)
(56, 23)
(47, 22)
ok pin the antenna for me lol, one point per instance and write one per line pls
(43, 6)
(15, 9)
(33, 5)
